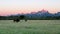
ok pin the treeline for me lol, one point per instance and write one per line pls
(7, 17)
(51, 18)
(40, 18)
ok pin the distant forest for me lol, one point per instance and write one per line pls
(41, 18)
(35, 16)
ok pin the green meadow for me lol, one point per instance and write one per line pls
(30, 27)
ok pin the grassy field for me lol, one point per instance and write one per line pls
(30, 27)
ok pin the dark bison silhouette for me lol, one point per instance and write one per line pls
(16, 20)
(21, 17)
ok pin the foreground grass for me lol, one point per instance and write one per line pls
(30, 27)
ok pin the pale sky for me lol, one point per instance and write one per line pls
(26, 6)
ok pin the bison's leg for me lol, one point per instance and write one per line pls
(26, 20)
(16, 20)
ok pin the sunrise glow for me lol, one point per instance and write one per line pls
(8, 7)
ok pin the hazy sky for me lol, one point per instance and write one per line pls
(25, 6)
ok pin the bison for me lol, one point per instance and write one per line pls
(21, 17)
